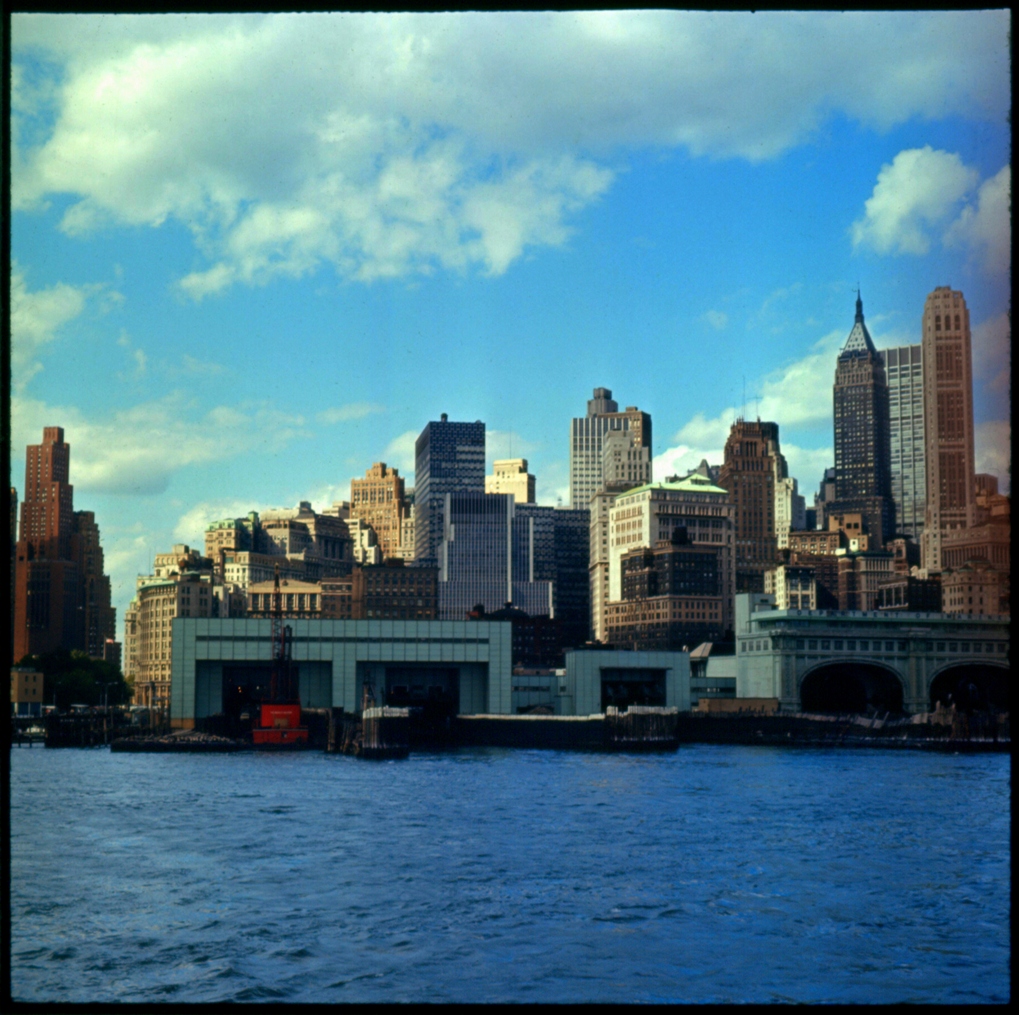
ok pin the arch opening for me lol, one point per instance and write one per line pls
(851, 688)
(971, 687)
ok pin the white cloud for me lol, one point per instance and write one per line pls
(389, 145)
(346, 413)
(918, 190)
(988, 227)
(36, 318)
(992, 353)
(191, 525)
(500, 444)
(679, 460)
(993, 450)
(399, 453)
(137, 450)
(717, 319)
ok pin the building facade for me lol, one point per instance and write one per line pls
(587, 434)
(643, 517)
(379, 500)
(510, 475)
(61, 595)
(904, 373)
(672, 597)
(863, 478)
(948, 420)
(752, 463)
(449, 458)
(625, 466)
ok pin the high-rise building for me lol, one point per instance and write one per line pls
(510, 475)
(379, 500)
(672, 596)
(948, 420)
(790, 507)
(644, 517)
(625, 466)
(587, 435)
(554, 542)
(752, 461)
(61, 595)
(863, 478)
(824, 497)
(486, 557)
(448, 458)
(904, 373)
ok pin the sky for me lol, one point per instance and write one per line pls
(251, 255)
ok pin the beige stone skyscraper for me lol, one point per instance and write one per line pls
(948, 419)
(510, 475)
(378, 499)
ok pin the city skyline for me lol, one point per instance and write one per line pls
(228, 312)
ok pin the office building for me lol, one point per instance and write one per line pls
(752, 463)
(379, 500)
(183, 584)
(484, 559)
(625, 466)
(449, 458)
(644, 517)
(793, 587)
(790, 507)
(863, 479)
(948, 420)
(61, 595)
(672, 596)
(904, 374)
(510, 475)
(587, 434)
(976, 588)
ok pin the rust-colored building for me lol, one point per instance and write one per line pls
(61, 595)
(751, 465)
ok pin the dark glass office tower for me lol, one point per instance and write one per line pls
(863, 476)
(448, 458)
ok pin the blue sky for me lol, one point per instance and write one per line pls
(252, 255)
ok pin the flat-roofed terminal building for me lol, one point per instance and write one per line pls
(223, 665)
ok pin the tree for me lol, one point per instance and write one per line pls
(77, 679)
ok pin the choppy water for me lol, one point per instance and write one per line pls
(714, 874)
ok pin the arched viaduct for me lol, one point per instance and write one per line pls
(831, 660)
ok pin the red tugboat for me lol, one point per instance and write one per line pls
(279, 722)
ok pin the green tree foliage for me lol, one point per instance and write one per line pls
(77, 679)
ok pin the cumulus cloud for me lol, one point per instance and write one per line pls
(346, 413)
(392, 145)
(191, 525)
(918, 190)
(987, 226)
(137, 450)
(500, 444)
(992, 353)
(400, 453)
(993, 450)
(36, 318)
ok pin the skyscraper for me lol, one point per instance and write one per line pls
(948, 419)
(510, 475)
(863, 479)
(61, 596)
(448, 458)
(378, 499)
(904, 373)
(751, 464)
(586, 437)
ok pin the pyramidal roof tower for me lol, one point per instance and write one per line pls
(859, 342)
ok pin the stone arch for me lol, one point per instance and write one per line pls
(971, 686)
(851, 686)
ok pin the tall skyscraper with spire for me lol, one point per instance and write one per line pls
(948, 419)
(863, 477)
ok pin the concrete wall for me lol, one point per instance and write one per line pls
(583, 676)
(481, 650)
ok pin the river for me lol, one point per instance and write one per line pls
(713, 874)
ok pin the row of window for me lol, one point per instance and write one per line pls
(875, 645)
